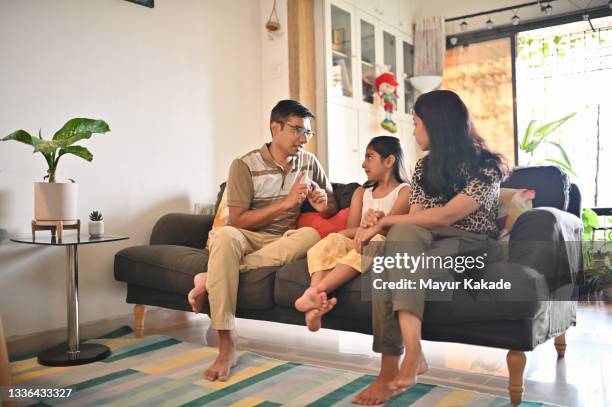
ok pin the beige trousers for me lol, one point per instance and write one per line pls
(235, 250)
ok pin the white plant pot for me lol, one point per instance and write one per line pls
(96, 228)
(55, 201)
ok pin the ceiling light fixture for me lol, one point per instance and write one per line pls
(610, 4)
(464, 24)
(489, 24)
(453, 41)
(516, 19)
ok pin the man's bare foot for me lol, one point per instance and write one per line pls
(414, 363)
(313, 317)
(198, 293)
(312, 298)
(378, 392)
(220, 369)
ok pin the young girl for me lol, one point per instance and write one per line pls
(455, 189)
(333, 261)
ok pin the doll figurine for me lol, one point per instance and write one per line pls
(385, 87)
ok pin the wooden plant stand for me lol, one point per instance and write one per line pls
(56, 227)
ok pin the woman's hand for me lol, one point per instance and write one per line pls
(363, 236)
(371, 218)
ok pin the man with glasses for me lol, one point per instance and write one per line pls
(256, 220)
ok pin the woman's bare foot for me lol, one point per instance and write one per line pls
(198, 293)
(312, 298)
(378, 392)
(313, 317)
(414, 363)
(423, 366)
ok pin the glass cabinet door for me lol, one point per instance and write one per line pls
(368, 62)
(341, 52)
(408, 55)
(389, 53)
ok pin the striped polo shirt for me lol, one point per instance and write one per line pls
(255, 181)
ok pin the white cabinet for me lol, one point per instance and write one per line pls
(343, 148)
(360, 42)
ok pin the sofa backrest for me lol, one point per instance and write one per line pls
(551, 183)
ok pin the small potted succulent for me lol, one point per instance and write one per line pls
(96, 224)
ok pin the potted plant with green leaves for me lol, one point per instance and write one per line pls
(597, 256)
(96, 224)
(57, 201)
(535, 137)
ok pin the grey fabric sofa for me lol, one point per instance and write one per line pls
(161, 274)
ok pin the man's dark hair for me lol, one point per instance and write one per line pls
(287, 108)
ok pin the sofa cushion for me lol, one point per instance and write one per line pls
(324, 226)
(161, 267)
(172, 268)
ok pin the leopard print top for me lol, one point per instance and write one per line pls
(483, 219)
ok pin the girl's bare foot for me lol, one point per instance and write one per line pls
(313, 317)
(198, 293)
(312, 298)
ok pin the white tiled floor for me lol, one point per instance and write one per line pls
(583, 378)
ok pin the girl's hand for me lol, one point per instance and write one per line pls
(363, 236)
(317, 197)
(371, 218)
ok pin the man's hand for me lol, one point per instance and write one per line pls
(317, 197)
(298, 192)
(371, 218)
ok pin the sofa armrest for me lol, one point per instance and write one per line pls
(549, 241)
(182, 229)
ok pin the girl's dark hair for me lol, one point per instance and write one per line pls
(386, 146)
(453, 144)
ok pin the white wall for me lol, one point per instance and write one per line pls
(181, 87)
(456, 8)
(274, 62)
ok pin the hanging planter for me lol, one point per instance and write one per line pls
(273, 23)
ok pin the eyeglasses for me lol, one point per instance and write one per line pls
(301, 131)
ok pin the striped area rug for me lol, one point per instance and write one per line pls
(161, 371)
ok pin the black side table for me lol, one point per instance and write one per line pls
(73, 352)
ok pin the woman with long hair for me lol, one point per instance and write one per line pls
(453, 209)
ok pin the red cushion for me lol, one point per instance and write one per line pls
(324, 226)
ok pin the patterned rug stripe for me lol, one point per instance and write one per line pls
(123, 331)
(416, 392)
(300, 387)
(268, 404)
(343, 392)
(241, 385)
(102, 379)
(144, 349)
